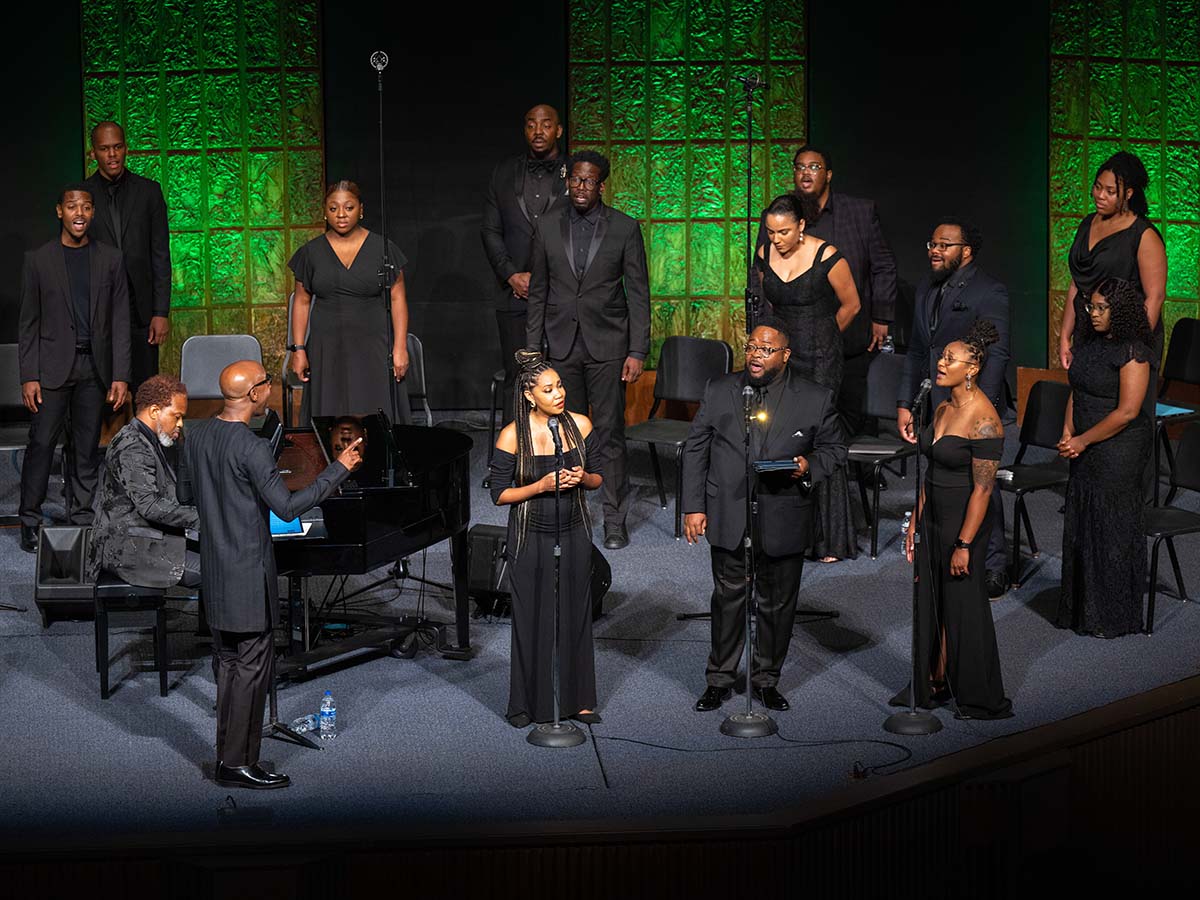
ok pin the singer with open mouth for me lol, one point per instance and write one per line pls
(544, 438)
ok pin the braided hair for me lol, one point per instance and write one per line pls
(1127, 321)
(981, 335)
(531, 366)
(1129, 172)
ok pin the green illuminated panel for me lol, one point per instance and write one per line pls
(1125, 74)
(221, 103)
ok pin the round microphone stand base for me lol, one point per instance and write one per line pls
(749, 725)
(564, 734)
(912, 723)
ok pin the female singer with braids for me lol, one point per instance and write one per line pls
(522, 477)
(957, 657)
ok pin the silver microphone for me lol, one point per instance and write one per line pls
(379, 60)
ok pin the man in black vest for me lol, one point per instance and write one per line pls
(522, 190)
(799, 423)
(589, 299)
(74, 357)
(131, 215)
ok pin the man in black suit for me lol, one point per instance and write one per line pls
(74, 356)
(522, 190)
(230, 474)
(131, 215)
(955, 294)
(799, 423)
(589, 299)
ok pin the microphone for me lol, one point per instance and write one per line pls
(379, 60)
(748, 399)
(558, 449)
(751, 81)
(926, 387)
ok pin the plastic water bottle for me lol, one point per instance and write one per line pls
(328, 717)
(904, 529)
(888, 345)
(305, 723)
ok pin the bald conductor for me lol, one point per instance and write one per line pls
(229, 473)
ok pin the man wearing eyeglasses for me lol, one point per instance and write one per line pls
(793, 419)
(948, 301)
(589, 300)
(229, 473)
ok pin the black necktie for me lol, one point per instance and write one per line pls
(114, 213)
(937, 308)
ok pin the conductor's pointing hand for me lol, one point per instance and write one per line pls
(351, 457)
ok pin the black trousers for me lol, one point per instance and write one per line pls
(245, 665)
(852, 397)
(143, 356)
(778, 581)
(79, 406)
(598, 384)
(511, 326)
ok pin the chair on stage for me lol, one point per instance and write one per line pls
(1182, 364)
(1042, 427)
(1165, 523)
(205, 355)
(685, 366)
(414, 382)
(875, 451)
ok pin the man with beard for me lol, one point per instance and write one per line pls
(794, 419)
(139, 531)
(955, 294)
(522, 190)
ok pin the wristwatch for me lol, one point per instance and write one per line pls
(292, 348)
(960, 544)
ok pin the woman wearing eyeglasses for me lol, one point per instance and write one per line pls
(1106, 436)
(810, 287)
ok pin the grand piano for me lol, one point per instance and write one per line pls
(411, 492)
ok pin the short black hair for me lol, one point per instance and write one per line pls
(599, 160)
(775, 324)
(810, 148)
(971, 234)
(158, 390)
(107, 123)
(75, 186)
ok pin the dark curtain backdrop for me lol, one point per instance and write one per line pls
(937, 113)
(454, 94)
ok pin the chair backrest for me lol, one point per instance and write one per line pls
(1044, 413)
(882, 378)
(1186, 473)
(10, 376)
(687, 364)
(205, 355)
(414, 381)
(1183, 353)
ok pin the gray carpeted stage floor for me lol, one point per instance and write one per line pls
(424, 744)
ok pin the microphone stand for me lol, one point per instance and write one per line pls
(912, 721)
(559, 733)
(387, 269)
(749, 85)
(750, 723)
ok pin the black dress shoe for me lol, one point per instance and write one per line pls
(615, 537)
(588, 718)
(520, 720)
(997, 584)
(29, 538)
(252, 777)
(771, 698)
(712, 698)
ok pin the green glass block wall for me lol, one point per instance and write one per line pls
(651, 87)
(1125, 74)
(221, 104)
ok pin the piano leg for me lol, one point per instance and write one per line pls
(462, 603)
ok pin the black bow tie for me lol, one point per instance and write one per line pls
(541, 166)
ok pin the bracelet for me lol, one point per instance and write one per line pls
(292, 348)
(960, 544)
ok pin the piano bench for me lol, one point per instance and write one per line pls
(114, 595)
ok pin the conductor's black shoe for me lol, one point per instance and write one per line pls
(997, 584)
(29, 536)
(771, 698)
(588, 718)
(712, 698)
(615, 537)
(251, 777)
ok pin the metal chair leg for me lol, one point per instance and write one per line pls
(1030, 539)
(102, 647)
(662, 491)
(862, 489)
(875, 510)
(1014, 574)
(678, 491)
(1178, 573)
(1153, 585)
(160, 648)
(1160, 433)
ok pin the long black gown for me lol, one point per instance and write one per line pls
(1104, 546)
(531, 580)
(808, 305)
(349, 357)
(955, 604)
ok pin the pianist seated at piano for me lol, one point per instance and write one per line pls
(139, 533)
(522, 477)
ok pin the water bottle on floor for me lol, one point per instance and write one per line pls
(328, 717)
(304, 723)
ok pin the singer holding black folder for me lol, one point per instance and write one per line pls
(542, 438)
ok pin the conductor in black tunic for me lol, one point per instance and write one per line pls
(231, 476)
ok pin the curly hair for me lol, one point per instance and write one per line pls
(981, 335)
(158, 390)
(1130, 172)
(971, 234)
(798, 206)
(1127, 321)
(599, 160)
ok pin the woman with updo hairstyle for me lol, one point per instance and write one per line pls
(345, 361)
(1107, 438)
(522, 478)
(958, 661)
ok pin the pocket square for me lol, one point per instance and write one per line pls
(798, 434)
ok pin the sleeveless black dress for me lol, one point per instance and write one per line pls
(1104, 547)
(808, 306)
(955, 604)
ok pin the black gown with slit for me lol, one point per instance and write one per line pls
(531, 580)
(956, 606)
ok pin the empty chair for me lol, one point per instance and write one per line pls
(1182, 364)
(1165, 523)
(205, 355)
(414, 382)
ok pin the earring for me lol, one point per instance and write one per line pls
(969, 388)
(802, 237)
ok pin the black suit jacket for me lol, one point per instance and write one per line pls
(47, 318)
(714, 463)
(231, 476)
(508, 226)
(971, 293)
(852, 225)
(144, 241)
(610, 304)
